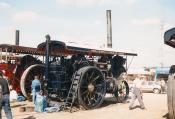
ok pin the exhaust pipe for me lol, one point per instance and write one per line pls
(109, 29)
(17, 37)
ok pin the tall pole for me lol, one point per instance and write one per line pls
(162, 44)
(109, 29)
(47, 52)
(47, 56)
(17, 37)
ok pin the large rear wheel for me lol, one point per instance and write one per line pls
(92, 87)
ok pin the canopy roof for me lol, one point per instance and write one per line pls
(19, 49)
(162, 70)
(57, 48)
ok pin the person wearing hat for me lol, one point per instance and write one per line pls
(5, 102)
(137, 94)
(36, 87)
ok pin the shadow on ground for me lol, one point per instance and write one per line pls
(166, 116)
(112, 100)
(108, 101)
(137, 106)
(29, 117)
(17, 105)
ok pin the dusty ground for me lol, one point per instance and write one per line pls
(156, 105)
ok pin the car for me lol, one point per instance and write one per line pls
(149, 86)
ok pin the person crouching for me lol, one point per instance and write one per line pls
(36, 87)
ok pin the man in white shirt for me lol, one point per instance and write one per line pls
(13, 94)
(137, 94)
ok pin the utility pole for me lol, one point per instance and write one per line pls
(162, 44)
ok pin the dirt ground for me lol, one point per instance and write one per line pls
(156, 108)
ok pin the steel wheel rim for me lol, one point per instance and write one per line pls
(28, 76)
(92, 88)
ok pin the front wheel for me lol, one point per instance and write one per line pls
(122, 91)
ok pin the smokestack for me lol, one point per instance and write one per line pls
(109, 29)
(17, 37)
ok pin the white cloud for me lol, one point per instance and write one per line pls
(83, 2)
(146, 22)
(4, 5)
(7, 34)
(131, 2)
(98, 22)
(25, 17)
(168, 25)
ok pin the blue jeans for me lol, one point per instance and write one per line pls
(34, 93)
(6, 106)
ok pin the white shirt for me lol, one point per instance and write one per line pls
(13, 95)
(137, 83)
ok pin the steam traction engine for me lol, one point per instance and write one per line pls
(74, 74)
(69, 73)
(14, 60)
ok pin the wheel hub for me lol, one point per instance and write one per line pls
(91, 87)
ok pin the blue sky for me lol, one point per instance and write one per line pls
(137, 25)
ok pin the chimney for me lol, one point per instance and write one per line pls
(17, 37)
(109, 29)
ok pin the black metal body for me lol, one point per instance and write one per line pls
(97, 77)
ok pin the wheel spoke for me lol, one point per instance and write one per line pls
(91, 76)
(92, 87)
(95, 100)
(95, 79)
(89, 101)
(84, 87)
(86, 78)
(98, 85)
(90, 95)
(98, 94)
(86, 97)
(83, 93)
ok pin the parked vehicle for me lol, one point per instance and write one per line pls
(149, 86)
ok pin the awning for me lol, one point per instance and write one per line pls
(162, 70)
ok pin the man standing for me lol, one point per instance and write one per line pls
(36, 87)
(5, 102)
(163, 85)
(137, 94)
